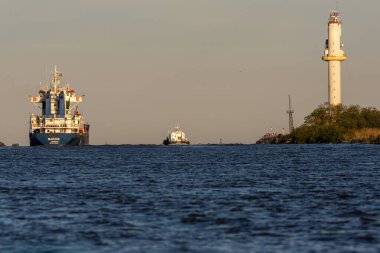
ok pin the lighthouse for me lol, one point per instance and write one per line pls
(334, 55)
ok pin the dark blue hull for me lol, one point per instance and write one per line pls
(58, 139)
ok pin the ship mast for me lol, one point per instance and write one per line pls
(56, 79)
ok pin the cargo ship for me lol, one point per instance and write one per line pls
(176, 137)
(60, 123)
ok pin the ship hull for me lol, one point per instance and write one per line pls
(58, 139)
(178, 143)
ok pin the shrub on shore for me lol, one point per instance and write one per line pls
(339, 124)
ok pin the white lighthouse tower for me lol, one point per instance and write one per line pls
(334, 55)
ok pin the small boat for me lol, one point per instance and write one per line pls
(176, 137)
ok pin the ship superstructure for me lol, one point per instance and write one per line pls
(176, 137)
(60, 123)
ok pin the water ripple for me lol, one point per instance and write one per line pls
(243, 198)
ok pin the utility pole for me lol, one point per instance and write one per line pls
(290, 112)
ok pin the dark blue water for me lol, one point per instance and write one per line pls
(250, 198)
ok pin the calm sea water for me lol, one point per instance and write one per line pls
(248, 198)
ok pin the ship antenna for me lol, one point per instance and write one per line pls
(46, 76)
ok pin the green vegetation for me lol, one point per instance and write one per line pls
(339, 124)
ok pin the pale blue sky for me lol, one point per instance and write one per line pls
(221, 68)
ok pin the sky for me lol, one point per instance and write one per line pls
(219, 68)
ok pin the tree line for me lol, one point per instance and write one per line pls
(338, 124)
